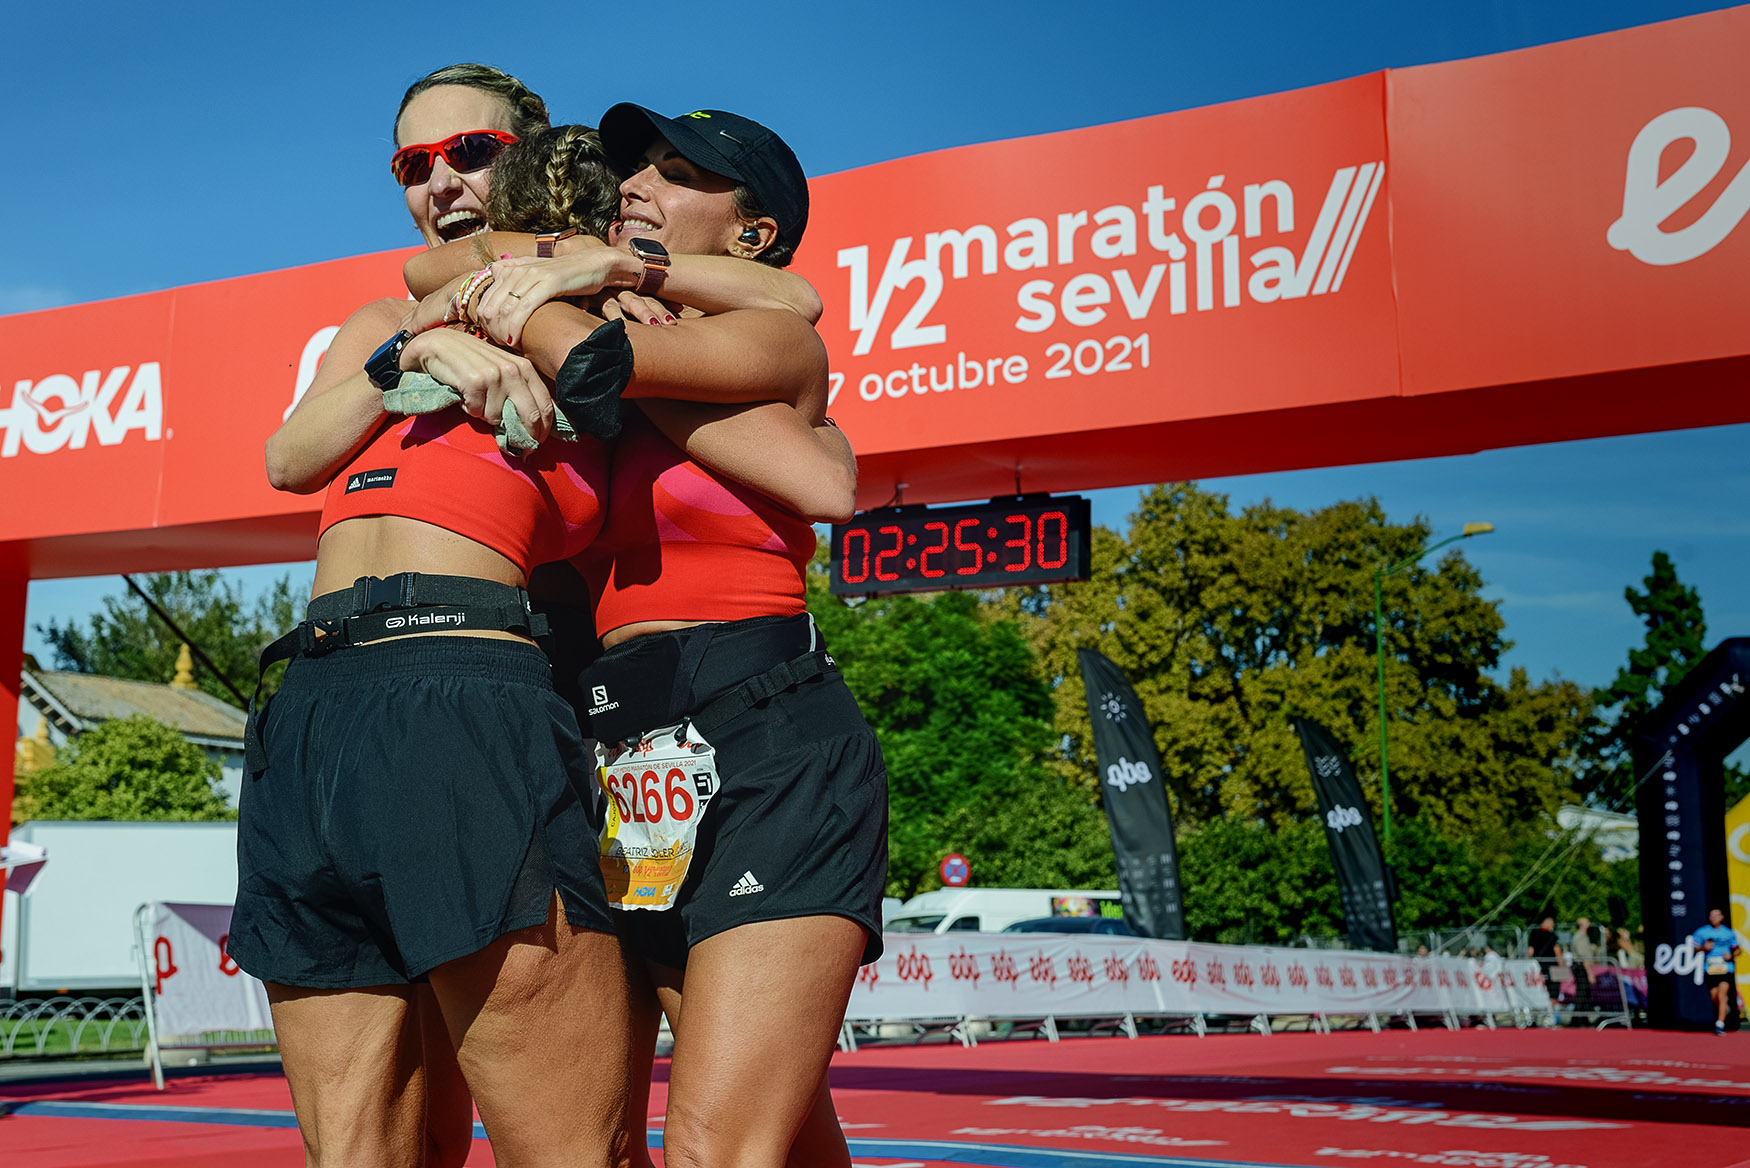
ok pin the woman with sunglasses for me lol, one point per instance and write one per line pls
(698, 585)
(357, 882)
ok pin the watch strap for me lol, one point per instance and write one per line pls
(544, 242)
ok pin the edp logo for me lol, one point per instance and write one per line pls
(1338, 818)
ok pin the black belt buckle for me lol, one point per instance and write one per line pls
(332, 638)
(370, 594)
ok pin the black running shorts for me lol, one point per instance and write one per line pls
(799, 825)
(423, 797)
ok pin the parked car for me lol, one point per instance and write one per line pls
(990, 910)
(1099, 926)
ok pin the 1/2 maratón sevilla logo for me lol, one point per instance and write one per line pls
(60, 412)
(1200, 269)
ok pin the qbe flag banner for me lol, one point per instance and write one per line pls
(1354, 848)
(1136, 801)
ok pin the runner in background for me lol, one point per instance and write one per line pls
(1718, 943)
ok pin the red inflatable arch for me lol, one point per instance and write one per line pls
(1534, 246)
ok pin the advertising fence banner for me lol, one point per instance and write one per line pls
(1022, 975)
(195, 987)
(1136, 800)
(1361, 876)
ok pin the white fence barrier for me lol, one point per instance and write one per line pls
(193, 989)
(1041, 975)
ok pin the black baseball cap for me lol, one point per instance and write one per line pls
(728, 144)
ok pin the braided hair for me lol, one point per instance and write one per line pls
(554, 178)
(528, 113)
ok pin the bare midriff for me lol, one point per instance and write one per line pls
(387, 545)
(625, 633)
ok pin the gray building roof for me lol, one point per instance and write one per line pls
(76, 701)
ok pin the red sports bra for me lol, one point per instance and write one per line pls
(683, 544)
(446, 469)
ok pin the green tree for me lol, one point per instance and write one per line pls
(964, 722)
(1676, 639)
(1250, 883)
(129, 768)
(1229, 624)
(127, 640)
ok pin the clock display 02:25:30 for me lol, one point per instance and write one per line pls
(1029, 539)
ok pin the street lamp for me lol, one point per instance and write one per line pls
(1379, 575)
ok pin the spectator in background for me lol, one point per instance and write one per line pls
(1627, 952)
(1493, 962)
(1584, 951)
(1547, 951)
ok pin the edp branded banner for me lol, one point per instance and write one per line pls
(1019, 975)
(1354, 848)
(1136, 800)
(196, 987)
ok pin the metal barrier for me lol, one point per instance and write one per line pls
(88, 1025)
(1611, 997)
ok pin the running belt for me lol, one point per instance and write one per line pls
(402, 605)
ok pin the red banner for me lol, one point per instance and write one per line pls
(1110, 277)
(1573, 208)
(1539, 245)
(148, 414)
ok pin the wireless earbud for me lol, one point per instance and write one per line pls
(751, 235)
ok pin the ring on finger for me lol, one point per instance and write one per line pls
(518, 295)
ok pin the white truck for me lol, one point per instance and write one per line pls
(74, 929)
(990, 910)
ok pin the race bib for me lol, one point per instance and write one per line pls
(1718, 965)
(658, 788)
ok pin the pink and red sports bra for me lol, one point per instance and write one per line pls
(446, 469)
(680, 543)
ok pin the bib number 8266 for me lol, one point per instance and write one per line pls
(645, 797)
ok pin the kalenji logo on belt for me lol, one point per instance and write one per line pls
(59, 412)
(1201, 270)
(1647, 202)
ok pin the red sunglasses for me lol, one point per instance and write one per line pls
(465, 152)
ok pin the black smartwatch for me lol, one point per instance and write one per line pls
(384, 367)
(654, 257)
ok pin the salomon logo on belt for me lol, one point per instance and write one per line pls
(370, 480)
(598, 694)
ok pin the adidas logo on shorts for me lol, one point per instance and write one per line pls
(747, 886)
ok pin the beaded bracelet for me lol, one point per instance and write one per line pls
(462, 303)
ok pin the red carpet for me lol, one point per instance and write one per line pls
(1506, 1099)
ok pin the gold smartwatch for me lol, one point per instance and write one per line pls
(544, 242)
(654, 257)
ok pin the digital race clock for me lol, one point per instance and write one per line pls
(1023, 539)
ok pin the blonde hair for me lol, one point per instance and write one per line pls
(528, 113)
(557, 177)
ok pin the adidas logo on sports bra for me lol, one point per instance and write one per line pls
(370, 480)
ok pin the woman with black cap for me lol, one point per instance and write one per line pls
(481, 922)
(746, 847)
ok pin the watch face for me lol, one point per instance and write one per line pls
(384, 366)
(649, 249)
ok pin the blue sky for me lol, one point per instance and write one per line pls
(172, 144)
